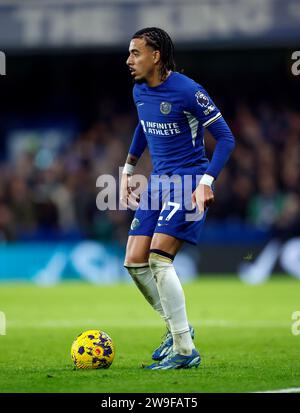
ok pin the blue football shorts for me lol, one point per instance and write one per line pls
(165, 207)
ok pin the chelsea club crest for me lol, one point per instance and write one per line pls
(165, 108)
(135, 223)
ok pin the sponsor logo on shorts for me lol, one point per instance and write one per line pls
(135, 224)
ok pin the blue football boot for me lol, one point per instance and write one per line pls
(166, 345)
(177, 361)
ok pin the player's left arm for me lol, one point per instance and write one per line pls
(211, 118)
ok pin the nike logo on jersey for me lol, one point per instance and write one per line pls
(140, 104)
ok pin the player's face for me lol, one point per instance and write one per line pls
(142, 60)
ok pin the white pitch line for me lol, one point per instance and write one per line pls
(142, 323)
(291, 390)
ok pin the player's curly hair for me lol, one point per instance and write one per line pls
(158, 39)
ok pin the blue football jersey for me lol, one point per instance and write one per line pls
(172, 116)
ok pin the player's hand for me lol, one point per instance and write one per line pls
(128, 197)
(203, 196)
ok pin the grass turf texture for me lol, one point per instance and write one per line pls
(243, 333)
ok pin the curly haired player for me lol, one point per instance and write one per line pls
(173, 111)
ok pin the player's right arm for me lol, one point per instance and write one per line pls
(137, 147)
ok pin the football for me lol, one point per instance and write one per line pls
(93, 349)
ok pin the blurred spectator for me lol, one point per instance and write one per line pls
(267, 204)
(21, 204)
(287, 224)
(7, 229)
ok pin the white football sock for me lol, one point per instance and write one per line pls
(173, 302)
(144, 280)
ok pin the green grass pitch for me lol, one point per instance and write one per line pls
(243, 333)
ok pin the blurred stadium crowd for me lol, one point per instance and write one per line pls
(259, 187)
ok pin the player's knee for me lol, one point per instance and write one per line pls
(136, 255)
(133, 260)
